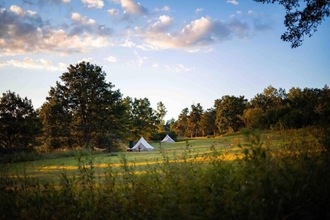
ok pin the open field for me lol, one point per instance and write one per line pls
(195, 149)
(279, 175)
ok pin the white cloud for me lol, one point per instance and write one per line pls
(29, 63)
(234, 2)
(239, 12)
(83, 20)
(148, 47)
(112, 59)
(128, 43)
(93, 3)
(163, 24)
(3, 64)
(84, 25)
(132, 7)
(163, 9)
(29, 33)
(113, 12)
(66, 1)
(199, 33)
(140, 59)
(199, 10)
(18, 10)
(195, 33)
(250, 12)
(166, 8)
(181, 68)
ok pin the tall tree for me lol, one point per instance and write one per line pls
(301, 23)
(323, 106)
(195, 118)
(161, 113)
(270, 98)
(207, 122)
(56, 121)
(182, 123)
(229, 111)
(93, 104)
(19, 124)
(170, 125)
(143, 120)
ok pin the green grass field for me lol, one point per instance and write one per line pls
(272, 175)
(51, 169)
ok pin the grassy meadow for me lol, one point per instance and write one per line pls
(248, 175)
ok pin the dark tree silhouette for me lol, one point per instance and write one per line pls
(19, 124)
(304, 22)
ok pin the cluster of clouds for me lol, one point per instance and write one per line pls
(25, 31)
(30, 63)
(200, 32)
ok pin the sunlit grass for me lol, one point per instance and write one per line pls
(194, 150)
(230, 177)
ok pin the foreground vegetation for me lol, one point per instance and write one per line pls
(272, 177)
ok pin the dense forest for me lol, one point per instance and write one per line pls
(83, 110)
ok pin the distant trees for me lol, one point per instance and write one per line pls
(228, 111)
(161, 113)
(188, 123)
(84, 110)
(181, 127)
(271, 109)
(295, 109)
(301, 23)
(142, 119)
(194, 120)
(19, 124)
(207, 122)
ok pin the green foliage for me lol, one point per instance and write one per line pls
(194, 120)
(296, 109)
(56, 121)
(207, 123)
(19, 125)
(182, 124)
(160, 113)
(301, 23)
(81, 108)
(142, 119)
(228, 112)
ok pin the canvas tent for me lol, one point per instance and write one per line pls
(142, 145)
(167, 139)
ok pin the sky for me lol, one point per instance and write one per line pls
(177, 52)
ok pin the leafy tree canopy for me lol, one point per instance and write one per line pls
(91, 101)
(301, 21)
(19, 125)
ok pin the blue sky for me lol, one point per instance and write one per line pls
(178, 52)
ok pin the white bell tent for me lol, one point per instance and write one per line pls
(142, 145)
(167, 139)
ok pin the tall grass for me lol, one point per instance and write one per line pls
(291, 182)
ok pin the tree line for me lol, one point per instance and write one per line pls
(271, 109)
(83, 110)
